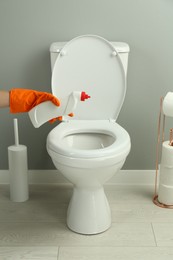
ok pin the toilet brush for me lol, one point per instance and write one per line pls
(18, 169)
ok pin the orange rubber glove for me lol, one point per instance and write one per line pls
(59, 118)
(23, 100)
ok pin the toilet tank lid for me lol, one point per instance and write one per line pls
(121, 47)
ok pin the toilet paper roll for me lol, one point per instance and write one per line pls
(167, 155)
(168, 104)
(165, 194)
(18, 169)
(165, 190)
(166, 175)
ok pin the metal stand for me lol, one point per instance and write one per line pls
(160, 135)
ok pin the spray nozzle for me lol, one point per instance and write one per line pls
(84, 96)
(73, 100)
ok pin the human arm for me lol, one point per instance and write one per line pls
(4, 98)
(23, 100)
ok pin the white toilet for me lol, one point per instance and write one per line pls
(91, 147)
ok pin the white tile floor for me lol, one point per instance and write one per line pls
(36, 229)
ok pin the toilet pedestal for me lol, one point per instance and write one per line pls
(88, 211)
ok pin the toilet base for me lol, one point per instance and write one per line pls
(88, 212)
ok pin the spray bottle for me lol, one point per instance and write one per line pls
(46, 111)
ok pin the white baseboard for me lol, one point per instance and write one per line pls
(53, 176)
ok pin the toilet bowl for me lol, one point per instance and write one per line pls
(88, 153)
(89, 149)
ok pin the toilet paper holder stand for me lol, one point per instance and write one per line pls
(165, 111)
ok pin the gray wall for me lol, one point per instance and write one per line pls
(28, 27)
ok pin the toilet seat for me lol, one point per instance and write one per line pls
(119, 146)
(92, 64)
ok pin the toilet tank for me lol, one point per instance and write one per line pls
(121, 47)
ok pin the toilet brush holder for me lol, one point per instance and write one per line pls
(163, 195)
(18, 169)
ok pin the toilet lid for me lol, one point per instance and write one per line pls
(90, 63)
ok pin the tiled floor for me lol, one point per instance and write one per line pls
(36, 229)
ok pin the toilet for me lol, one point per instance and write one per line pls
(91, 147)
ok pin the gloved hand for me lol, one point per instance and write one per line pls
(23, 100)
(59, 118)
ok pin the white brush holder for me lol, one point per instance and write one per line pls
(18, 169)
